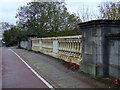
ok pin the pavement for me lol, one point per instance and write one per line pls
(15, 74)
(54, 71)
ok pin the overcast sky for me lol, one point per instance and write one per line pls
(8, 8)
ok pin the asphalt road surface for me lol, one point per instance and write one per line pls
(15, 74)
(0, 68)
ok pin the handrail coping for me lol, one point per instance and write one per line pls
(55, 38)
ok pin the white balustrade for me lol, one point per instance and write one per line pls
(47, 45)
(35, 44)
(67, 48)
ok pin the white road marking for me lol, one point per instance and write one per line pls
(33, 70)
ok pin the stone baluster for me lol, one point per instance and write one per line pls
(67, 48)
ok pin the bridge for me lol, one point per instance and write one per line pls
(95, 52)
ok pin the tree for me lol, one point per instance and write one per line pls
(45, 18)
(85, 14)
(10, 36)
(110, 10)
(5, 26)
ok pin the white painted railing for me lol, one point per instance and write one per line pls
(35, 44)
(67, 48)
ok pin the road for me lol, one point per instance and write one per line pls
(15, 74)
(0, 68)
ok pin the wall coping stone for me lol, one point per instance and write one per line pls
(99, 22)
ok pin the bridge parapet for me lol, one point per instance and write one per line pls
(97, 51)
(67, 48)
